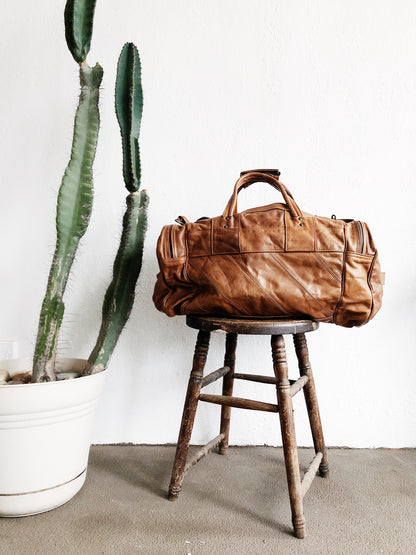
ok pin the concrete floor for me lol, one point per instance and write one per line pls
(234, 504)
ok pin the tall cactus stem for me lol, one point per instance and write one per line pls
(119, 298)
(72, 217)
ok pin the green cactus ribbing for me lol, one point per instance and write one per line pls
(129, 107)
(73, 213)
(79, 16)
(119, 297)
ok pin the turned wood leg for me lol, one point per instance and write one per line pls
(227, 389)
(287, 425)
(311, 399)
(188, 416)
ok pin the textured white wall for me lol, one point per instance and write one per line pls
(323, 90)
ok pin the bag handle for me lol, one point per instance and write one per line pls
(271, 177)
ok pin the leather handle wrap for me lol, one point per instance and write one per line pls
(274, 172)
(263, 176)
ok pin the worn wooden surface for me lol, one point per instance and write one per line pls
(255, 378)
(251, 327)
(311, 400)
(287, 425)
(296, 386)
(203, 452)
(188, 417)
(238, 402)
(310, 473)
(227, 390)
(214, 376)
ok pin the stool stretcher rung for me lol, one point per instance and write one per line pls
(255, 378)
(203, 452)
(214, 376)
(311, 473)
(238, 402)
(298, 385)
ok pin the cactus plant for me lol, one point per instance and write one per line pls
(119, 297)
(76, 195)
(60, 415)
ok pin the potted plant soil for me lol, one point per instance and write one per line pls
(47, 405)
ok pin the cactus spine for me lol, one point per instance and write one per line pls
(76, 192)
(119, 297)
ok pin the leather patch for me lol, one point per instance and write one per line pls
(300, 234)
(262, 231)
(199, 238)
(225, 235)
(329, 235)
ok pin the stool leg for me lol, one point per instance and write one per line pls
(188, 416)
(227, 389)
(287, 425)
(311, 400)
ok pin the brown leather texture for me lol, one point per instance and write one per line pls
(269, 261)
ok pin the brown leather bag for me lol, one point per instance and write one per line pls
(271, 261)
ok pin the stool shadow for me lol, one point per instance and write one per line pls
(152, 473)
(146, 474)
(271, 479)
(218, 500)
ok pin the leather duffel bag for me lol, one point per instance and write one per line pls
(270, 261)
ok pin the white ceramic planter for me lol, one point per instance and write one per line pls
(45, 435)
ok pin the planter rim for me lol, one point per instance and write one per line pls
(57, 383)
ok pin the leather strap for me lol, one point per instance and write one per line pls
(261, 176)
(275, 172)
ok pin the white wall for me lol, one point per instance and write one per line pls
(323, 90)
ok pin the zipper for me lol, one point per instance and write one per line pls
(361, 234)
(170, 241)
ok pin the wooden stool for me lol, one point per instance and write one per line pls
(286, 389)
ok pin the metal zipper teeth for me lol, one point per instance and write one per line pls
(361, 234)
(170, 241)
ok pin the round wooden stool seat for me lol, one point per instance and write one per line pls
(248, 326)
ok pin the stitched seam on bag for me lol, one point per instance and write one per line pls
(342, 275)
(165, 300)
(247, 212)
(370, 273)
(285, 233)
(364, 256)
(239, 227)
(212, 237)
(221, 293)
(326, 267)
(300, 284)
(184, 304)
(234, 253)
(185, 267)
(250, 277)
